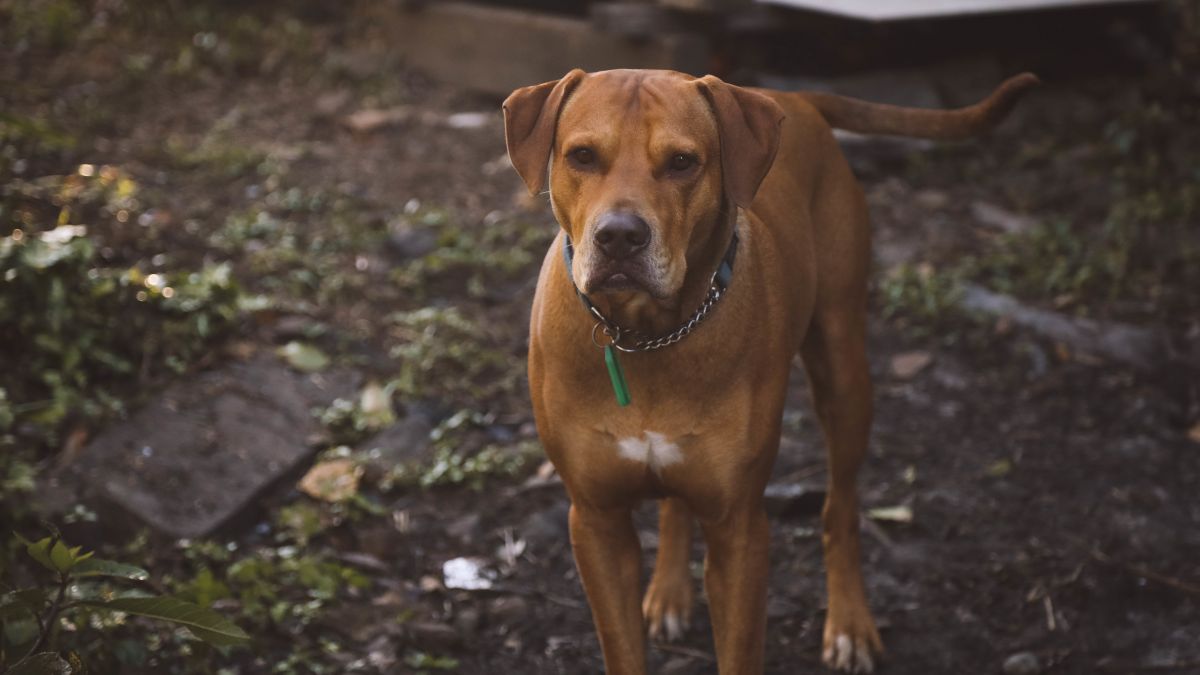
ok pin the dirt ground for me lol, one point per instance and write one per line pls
(1053, 499)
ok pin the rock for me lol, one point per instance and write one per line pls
(951, 374)
(204, 449)
(360, 624)
(295, 327)
(1142, 348)
(1001, 219)
(432, 636)
(786, 500)
(679, 665)
(409, 242)
(933, 200)
(867, 151)
(465, 528)
(470, 120)
(508, 609)
(778, 608)
(467, 622)
(364, 561)
(1022, 663)
(403, 442)
(907, 364)
(381, 653)
(547, 527)
(331, 103)
(630, 20)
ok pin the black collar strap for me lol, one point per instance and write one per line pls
(636, 342)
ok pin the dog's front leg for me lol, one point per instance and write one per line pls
(735, 579)
(608, 555)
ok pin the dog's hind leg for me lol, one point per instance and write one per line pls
(668, 602)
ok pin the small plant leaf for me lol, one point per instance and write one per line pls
(45, 663)
(62, 557)
(303, 356)
(205, 624)
(40, 551)
(96, 567)
(1000, 468)
(25, 602)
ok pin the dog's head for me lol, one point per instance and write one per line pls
(642, 166)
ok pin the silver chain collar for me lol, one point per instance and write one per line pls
(647, 344)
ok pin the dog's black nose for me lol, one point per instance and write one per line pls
(620, 234)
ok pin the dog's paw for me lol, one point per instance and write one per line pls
(667, 608)
(852, 645)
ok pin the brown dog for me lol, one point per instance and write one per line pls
(692, 265)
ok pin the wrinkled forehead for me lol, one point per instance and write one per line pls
(660, 106)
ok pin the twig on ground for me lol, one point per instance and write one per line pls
(685, 651)
(533, 593)
(1127, 668)
(806, 472)
(876, 531)
(1178, 584)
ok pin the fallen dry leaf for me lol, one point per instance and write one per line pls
(895, 514)
(908, 364)
(373, 119)
(332, 481)
(999, 468)
(72, 447)
(376, 405)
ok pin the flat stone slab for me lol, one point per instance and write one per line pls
(199, 454)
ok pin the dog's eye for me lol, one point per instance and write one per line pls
(582, 156)
(681, 162)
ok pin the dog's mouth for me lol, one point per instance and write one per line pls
(620, 277)
(617, 281)
(632, 276)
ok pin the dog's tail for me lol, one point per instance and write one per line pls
(865, 117)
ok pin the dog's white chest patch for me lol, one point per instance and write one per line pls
(652, 449)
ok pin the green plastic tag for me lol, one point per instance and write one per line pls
(617, 376)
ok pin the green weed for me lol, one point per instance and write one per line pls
(441, 352)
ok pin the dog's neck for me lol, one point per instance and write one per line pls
(652, 316)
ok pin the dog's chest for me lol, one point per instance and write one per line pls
(651, 448)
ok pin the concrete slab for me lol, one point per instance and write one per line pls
(892, 10)
(496, 50)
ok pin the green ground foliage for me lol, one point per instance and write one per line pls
(112, 285)
(1126, 247)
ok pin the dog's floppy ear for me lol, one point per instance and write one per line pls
(530, 117)
(749, 125)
